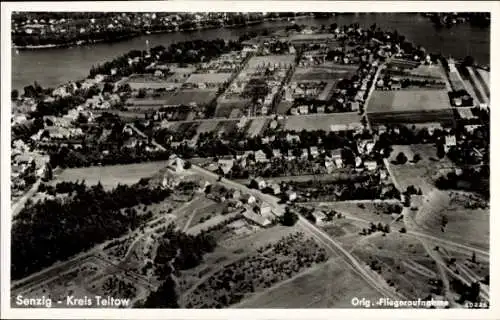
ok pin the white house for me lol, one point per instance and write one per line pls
(248, 198)
(450, 141)
(261, 183)
(305, 154)
(314, 151)
(370, 165)
(292, 195)
(260, 156)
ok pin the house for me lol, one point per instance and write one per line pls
(305, 154)
(248, 198)
(131, 143)
(294, 111)
(358, 162)
(471, 127)
(261, 183)
(370, 165)
(57, 132)
(329, 165)
(337, 158)
(260, 156)
(314, 152)
(320, 109)
(291, 195)
(450, 141)
(226, 165)
(396, 86)
(354, 106)
(241, 124)
(290, 155)
(236, 194)
(292, 138)
(265, 210)
(303, 109)
(256, 218)
(365, 146)
(276, 188)
(319, 216)
(383, 175)
(277, 153)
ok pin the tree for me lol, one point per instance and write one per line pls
(468, 61)
(401, 158)
(440, 151)
(253, 184)
(141, 94)
(416, 158)
(475, 290)
(402, 230)
(48, 172)
(444, 220)
(473, 259)
(289, 218)
(14, 95)
(164, 297)
(411, 190)
(187, 165)
(387, 229)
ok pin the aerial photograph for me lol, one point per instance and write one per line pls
(211, 160)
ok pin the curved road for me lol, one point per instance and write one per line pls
(379, 284)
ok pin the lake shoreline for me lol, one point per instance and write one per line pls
(51, 67)
(142, 33)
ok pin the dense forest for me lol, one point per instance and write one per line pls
(55, 229)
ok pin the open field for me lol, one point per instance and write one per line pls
(111, 176)
(213, 78)
(181, 97)
(427, 153)
(421, 174)
(408, 101)
(324, 72)
(340, 121)
(329, 285)
(148, 81)
(187, 96)
(469, 226)
(271, 60)
(401, 260)
(226, 107)
(207, 126)
(409, 106)
(312, 37)
(283, 107)
(403, 64)
(434, 72)
(478, 85)
(257, 126)
(484, 78)
(209, 210)
(366, 211)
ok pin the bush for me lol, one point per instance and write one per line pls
(289, 218)
(401, 158)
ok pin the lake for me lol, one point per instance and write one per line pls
(51, 67)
